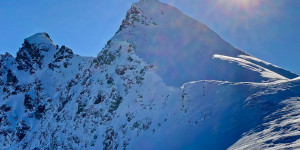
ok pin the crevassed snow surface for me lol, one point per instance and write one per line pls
(164, 81)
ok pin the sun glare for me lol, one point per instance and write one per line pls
(246, 5)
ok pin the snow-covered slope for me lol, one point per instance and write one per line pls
(181, 49)
(164, 81)
(216, 114)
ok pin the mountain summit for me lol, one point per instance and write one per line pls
(31, 55)
(182, 49)
(163, 81)
(39, 39)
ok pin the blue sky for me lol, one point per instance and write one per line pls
(267, 29)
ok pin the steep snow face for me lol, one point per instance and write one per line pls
(216, 114)
(280, 129)
(52, 98)
(42, 39)
(180, 48)
(117, 101)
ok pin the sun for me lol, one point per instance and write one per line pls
(246, 5)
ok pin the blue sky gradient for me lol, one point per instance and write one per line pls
(269, 30)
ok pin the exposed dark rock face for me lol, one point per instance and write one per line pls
(61, 58)
(31, 55)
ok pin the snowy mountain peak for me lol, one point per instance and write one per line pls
(5, 55)
(129, 96)
(183, 49)
(34, 50)
(40, 38)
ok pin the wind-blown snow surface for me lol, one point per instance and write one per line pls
(164, 81)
